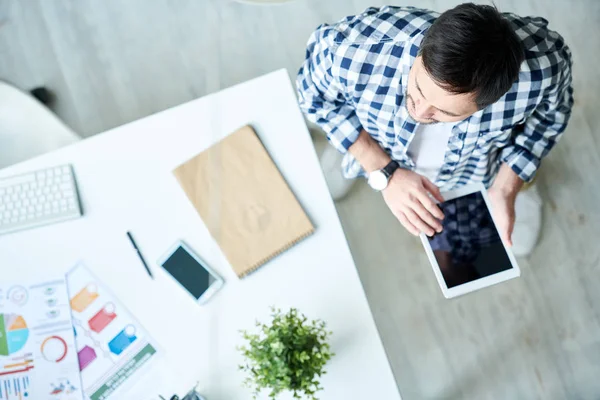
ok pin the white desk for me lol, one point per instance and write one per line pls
(125, 180)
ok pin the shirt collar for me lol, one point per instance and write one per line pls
(405, 124)
(410, 53)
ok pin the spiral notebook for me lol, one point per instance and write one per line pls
(244, 201)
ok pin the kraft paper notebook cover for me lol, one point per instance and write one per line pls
(244, 201)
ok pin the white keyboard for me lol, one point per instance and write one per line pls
(38, 198)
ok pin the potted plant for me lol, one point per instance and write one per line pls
(289, 354)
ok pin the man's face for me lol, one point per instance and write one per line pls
(428, 103)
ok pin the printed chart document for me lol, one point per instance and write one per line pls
(38, 357)
(112, 346)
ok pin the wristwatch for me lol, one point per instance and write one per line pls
(378, 180)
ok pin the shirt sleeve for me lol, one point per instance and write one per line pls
(545, 126)
(321, 95)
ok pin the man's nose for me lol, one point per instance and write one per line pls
(423, 110)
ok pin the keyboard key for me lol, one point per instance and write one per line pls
(16, 180)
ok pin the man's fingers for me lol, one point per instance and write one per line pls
(426, 216)
(406, 223)
(430, 205)
(434, 190)
(418, 222)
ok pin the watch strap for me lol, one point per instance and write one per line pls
(390, 168)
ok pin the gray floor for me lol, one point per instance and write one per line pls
(537, 337)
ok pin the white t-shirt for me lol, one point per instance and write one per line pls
(428, 148)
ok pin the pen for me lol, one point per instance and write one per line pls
(139, 253)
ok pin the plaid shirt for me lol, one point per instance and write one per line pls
(355, 76)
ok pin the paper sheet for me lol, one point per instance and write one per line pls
(38, 359)
(112, 346)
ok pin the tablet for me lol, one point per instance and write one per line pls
(468, 254)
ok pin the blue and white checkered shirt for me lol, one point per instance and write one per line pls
(355, 76)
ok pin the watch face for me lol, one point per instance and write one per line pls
(377, 180)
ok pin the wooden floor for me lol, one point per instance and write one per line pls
(537, 337)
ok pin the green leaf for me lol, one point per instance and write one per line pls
(288, 353)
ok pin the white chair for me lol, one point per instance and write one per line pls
(27, 127)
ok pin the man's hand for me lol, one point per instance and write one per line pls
(503, 194)
(407, 193)
(407, 196)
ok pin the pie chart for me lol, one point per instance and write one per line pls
(13, 333)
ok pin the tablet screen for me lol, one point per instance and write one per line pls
(469, 246)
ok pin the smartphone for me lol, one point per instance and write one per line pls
(191, 272)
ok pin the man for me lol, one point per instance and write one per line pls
(420, 102)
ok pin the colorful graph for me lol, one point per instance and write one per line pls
(102, 318)
(54, 349)
(18, 295)
(14, 388)
(122, 341)
(86, 356)
(84, 298)
(64, 386)
(17, 365)
(13, 333)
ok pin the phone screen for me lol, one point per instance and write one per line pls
(189, 272)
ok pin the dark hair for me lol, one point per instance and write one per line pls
(473, 49)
